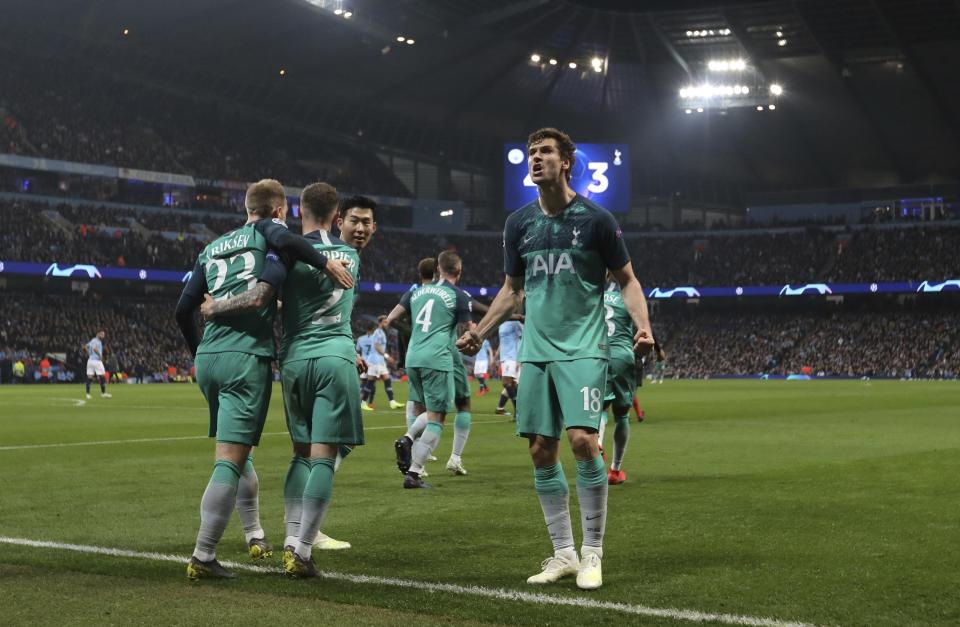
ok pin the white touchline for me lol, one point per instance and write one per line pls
(490, 593)
(20, 447)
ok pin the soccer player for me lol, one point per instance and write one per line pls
(364, 348)
(417, 420)
(95, 368)
(621, 376)
(556, 253)
(436, 310)
(481, 367)
(511, 334)
(660, 365)
(242, 269)
(376, 359)
(321, 390)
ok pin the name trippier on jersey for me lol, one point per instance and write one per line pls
(341, 256)
(237, 241)
(445, 295)
(552, 263)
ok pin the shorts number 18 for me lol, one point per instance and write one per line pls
(591, 399)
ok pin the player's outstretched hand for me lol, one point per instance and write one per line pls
(336, 269)
(642, 342)
(469, 343)
(206, 308)
(361, 365)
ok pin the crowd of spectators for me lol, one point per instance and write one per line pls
(141, 334)
(894, 344)
(61, 111)
(144, 340)
(172, 239)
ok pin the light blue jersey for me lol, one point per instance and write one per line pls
(511, 332)
(484, 355)
(365, 347)
(94, 349)
(378, 337)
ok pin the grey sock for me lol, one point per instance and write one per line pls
(248, 502)
(424, 447)
(316, 498)
(416, 429)
(592, 495)
(554, 495)
(297, 474)
(216, 506)
(621, 435)
(461, 431)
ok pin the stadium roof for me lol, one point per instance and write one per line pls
(870, 87)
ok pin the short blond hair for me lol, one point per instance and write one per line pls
(264, 196)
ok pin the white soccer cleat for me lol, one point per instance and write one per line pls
(554, 568)
(326, 543)
(432, 458)
(89, 397)
(456, 467)
(106, 395)
(589, 574)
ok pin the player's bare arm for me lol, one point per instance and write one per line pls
(257, 298)
(397, 313)
(507, 300)
(636, 304)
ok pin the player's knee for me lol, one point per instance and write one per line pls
(543, 451)
(583, 442)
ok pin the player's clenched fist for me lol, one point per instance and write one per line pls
(336, 269)
(469, 343)
(642, 342)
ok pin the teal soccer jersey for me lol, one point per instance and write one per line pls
(231, 265)
(435, 311)
(620, 327)
(316, 313)
(563, 261)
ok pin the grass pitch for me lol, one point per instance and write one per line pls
(821, 502)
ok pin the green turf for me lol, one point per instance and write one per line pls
(823, 502)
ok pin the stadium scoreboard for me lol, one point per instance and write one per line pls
(601, 172)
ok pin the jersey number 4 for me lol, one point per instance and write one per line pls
(423, 318)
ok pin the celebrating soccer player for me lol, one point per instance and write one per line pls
(621, 376)
(557, 250)
(436, 310)
(233, 360)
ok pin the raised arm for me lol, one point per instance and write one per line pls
(280, 238)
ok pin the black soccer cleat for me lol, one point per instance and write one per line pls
(197, 570)
(412, 481)
(299, 568)
(403, 447)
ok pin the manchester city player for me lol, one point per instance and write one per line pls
(557, 250)
(511, 334)
(95, 368)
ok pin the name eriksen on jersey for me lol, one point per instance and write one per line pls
(237, 241)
